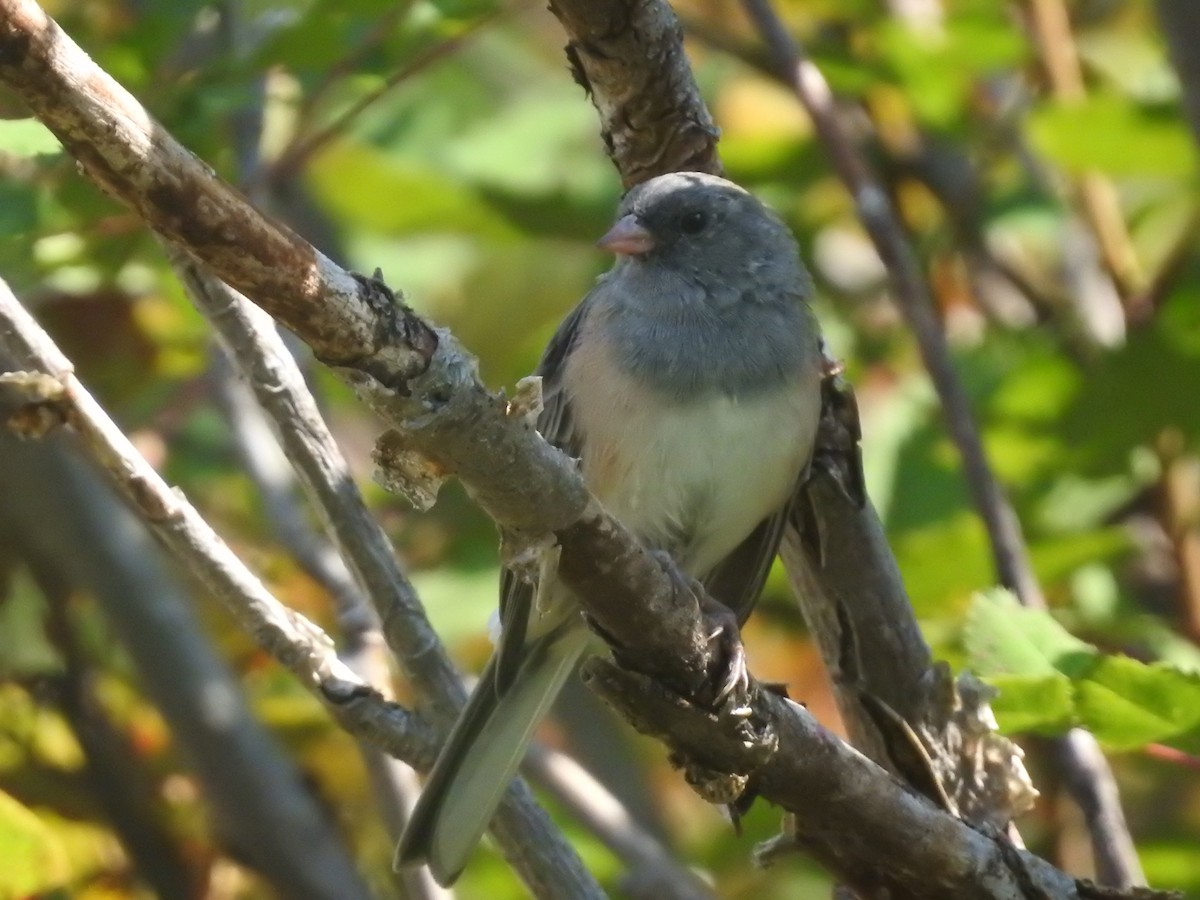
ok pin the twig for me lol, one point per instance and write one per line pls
(304, 147)
(351, 61)
(1051, 26)
(57, 507)
(913, 297)
(251, 338)
(1171, 755)
(652, 871)
(290, 638)
(269, 368)
(1078, 753)
(56, 395)
(446, 421)
(394, 784)
(1090, 782)
(629, 57)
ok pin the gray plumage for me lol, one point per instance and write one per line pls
(687, 383)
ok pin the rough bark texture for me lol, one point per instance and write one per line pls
(628, 55)
(425, 387)
(136, 162)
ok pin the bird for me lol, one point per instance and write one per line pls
(687, 384)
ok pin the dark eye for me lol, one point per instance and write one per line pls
(693, 222)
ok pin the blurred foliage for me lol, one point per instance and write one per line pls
(476, 182)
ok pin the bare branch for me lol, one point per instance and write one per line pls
(305, 146)
(629, 57)
(912, 295)
(394, 785)
(446, 422)
(53, 395)
(653, 873)
(278, 384)
(135, 161)
(1051, 25)
(57, 509)
(857, 820)
(1078, 754)
(529, 841)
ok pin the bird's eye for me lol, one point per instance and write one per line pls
(693, 222)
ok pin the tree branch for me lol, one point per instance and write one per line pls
(629, 57)
(1087, 770)
(787, 755)
(1051, 26)
(55, 508)
(447, 423)
(135, 161)
(529, 841)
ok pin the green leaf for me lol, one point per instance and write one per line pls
(399, 196)
(34, 860)
(27, 137)
(18, 209)
(1127, 704)
(1055, 559)
(1172, 862)
(1002, 637)
(1050, 680)
(1042, 704)
(1114, 135)
(939, 69)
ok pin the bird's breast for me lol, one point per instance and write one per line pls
(692, 476)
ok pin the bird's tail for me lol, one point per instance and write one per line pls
(482, 754)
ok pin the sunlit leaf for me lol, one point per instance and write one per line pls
(34, 861)
(399, 197)
(1002, 637)
(1033, 703)
(1127, 703)
(1114, 135)
(27, 137)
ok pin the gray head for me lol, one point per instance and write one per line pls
(706, 230)
(708, 292)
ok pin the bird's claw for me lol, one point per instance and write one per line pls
(733, 689)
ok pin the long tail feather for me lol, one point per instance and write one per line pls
(482, 754)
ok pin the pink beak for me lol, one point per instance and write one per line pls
(628, 238)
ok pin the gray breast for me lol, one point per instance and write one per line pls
(693, 349)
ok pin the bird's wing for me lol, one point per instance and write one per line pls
(556, 426)
(738, 579)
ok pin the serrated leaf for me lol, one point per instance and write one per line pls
(1042, 704)
(1002, 637)
(27, 137)
(1127, 703)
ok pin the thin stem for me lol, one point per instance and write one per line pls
(306, 146)
(1051, 26)
(1085, 769)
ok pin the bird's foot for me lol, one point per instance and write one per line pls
(733, 691)
(733, 687)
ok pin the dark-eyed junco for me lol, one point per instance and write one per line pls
(688, 384)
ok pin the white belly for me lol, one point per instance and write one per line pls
(693, 479)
